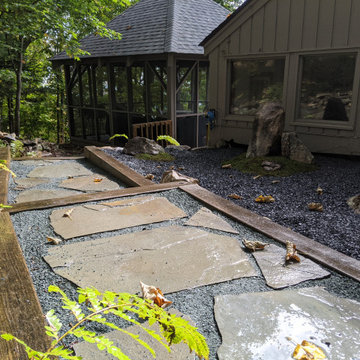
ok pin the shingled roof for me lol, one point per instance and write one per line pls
(157, 27)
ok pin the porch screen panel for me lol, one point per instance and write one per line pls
(86, 86)
(102, 86)
(203, 86)
(326, 87)
(157, 96)
(103, 129)
(254, 82)
(186, 96)
(138, 90)
(120, 88)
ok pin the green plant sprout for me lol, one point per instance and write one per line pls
(174, 329)
(5, 168)
(169, 139)
(118, 135)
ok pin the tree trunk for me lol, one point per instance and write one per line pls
(18, 72)
(10, 114)
(1, 114)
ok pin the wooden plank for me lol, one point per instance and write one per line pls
(282, 25)
(24, 158)
(309, 34)
(354, 28)
(296, 24)
(83, 198)
(270, 26)
(20, 310)
(312, 249)
(4, 175)
(341, 21)
(326, 20)
(115, 167)
(245, 37)
(257, 31)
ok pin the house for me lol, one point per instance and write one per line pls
(304, 53)
(152, 81)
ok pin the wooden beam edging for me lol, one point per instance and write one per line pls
(20, 310)
(115, 167)
(4, 175)
(26, 158)
(82, 198)
(320, 253)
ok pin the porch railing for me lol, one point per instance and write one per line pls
(153, 129)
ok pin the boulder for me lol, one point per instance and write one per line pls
(175, 150)
(172, 175)
(142, 145)
(294, 149)
(267, 129)
(354, 203)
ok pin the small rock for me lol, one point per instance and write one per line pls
(294, 149)
(141, 145)
(315, 207)
(226, 166)
(354, 203)
(270, 166)
(172, 175)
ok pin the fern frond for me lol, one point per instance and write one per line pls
(169, 139)
(118, 135)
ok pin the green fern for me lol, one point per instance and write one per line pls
(169, 139)
(173, 329)
(118, 135)
(4, 167)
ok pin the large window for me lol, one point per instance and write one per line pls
(254, 82)
(326, 87)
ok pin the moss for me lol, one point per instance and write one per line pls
(159, 157)
(253, 166)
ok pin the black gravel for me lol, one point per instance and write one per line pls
(337, 226)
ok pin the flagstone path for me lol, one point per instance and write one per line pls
(170, 240)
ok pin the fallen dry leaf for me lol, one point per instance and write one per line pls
(97, 180)
(275, 181)
(235, 196)
(154, 294)
(256, 177)
(172, 167)
(315, 206)
(53, 241)
(181, 168)
(265, 199)
(70, 177)
(149, 176)
(159, 166)
(291, 253)
(308, 351)
(226, 166)
(254, 245)
(319, 190)
(68, 213)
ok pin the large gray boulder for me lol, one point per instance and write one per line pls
(294, 149)
(142, 145)
(267, 129)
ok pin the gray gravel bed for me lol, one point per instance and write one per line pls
(32, 227)
(337, 226)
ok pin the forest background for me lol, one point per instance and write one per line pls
(32, 93)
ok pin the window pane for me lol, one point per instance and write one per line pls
(121, 87)
(102, 86)
(326, 86)
(138, 89)
(76, 123)
(102, 119)
(89, 122)
(75, 89)
(254, 82)
(158, 95)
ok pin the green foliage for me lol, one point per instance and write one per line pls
(253, 166)
(2, 206)
(5, 168)
(3, 144)
(16, 148)
(173, 329)
(158, 157)
(118, 135)
(169, 139)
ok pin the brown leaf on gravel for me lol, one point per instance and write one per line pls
(264, 199)
(226, 166)
(235, 196)
(257, 177)
(315, 206)
(68, 213)
(150, 176)
(291, 253)
(254, 245)
(154, 294)
(319, 190)
(53, 241)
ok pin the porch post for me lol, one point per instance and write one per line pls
(171, 91)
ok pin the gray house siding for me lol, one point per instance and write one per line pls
(291, 29)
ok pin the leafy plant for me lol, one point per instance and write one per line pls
(173, 329)
(16, 148)
(118, 135)
(5, 168)
(169, 139)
